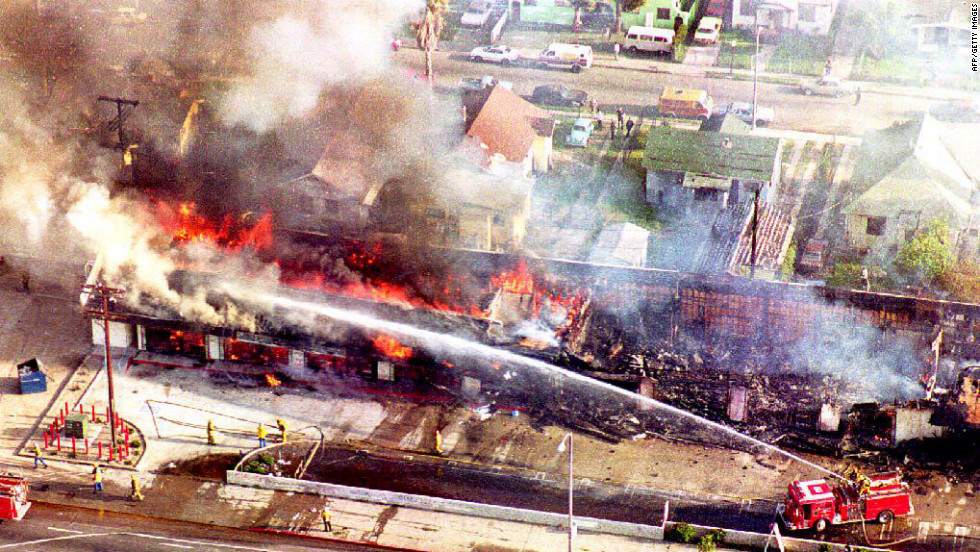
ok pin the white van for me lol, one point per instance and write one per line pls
(574, 57)
(647, 39)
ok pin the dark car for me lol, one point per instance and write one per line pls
(556, 94)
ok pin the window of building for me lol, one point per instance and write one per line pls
(498, 220)
(876, 226)
(663, 13)
(808, 13)
(746, 7)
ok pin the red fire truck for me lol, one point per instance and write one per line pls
(13, 497)
(817, 504)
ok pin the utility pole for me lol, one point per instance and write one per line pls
(571, 492)
(755, 226)
(755, 77)
(105, 292)
(121, 115)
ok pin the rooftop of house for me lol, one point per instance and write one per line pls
(504, 122)
(941, 13)
(723, 148)
(924, 164)
(729, 248)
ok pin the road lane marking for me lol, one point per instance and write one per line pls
(65, 530)
(176, 545)
(39, 541)
(193, 542)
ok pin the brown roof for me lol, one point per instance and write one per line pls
(504, 122)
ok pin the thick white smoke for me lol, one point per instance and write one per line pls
(318, 44)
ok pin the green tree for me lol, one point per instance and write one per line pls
(928, 256)
(427, 32)
(628, 6)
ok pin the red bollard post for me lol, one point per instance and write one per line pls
(59, 441)
(86, 446)
(47, 439)
(74, 449)
(110, 453)
(107, 415)
(100, 451)
(81, 408)
(93, 413)
(67, 409)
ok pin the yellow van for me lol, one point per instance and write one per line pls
(685, 103)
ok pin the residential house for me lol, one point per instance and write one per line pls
(473, 208)
(806, 16)
(913, 172)
(711, 169)
(339, 194)
(947, 29)
(514, 136)
(653, 13)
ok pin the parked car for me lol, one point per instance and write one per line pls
(708, 31)
(814, 256)
(743, 110)
(495, 54)
(826, 86)
(556, 94)
(479, 83)
(560, 55)
(579, 135)
(477, 14)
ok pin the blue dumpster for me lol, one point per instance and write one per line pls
(32, 378)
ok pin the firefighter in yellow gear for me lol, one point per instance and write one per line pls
(325, 518)
(137, 493)
(97, 479)
(211, 441)
(438, 442)
(864, 485)
(283, 427)
(261, 432)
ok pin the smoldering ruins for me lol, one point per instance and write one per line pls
(296, 217)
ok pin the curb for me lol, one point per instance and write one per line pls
(332, 539)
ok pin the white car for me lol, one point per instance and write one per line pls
(743, 110)
(477, 14)
(827, 86)
(504, 55)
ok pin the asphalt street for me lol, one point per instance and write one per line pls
(639, 92)
(52, 528)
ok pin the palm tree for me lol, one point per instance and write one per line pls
(427, 32)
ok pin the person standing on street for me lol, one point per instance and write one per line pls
(211, 441)
(283, 427)
(594, 105)
(97, 480)
(261, 432)
(857, 96)
(620, 114)
(612, 130)
(37, 457)
(136, 493)
(325, 518)
(438, 442)
(616, 50)
(629, 127)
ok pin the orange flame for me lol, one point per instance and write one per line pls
(231, 234)
(272, 380)
(391, 347)
(518, 281)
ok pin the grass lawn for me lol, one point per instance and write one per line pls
(626, 200)
(744, 49)
(801, 54)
